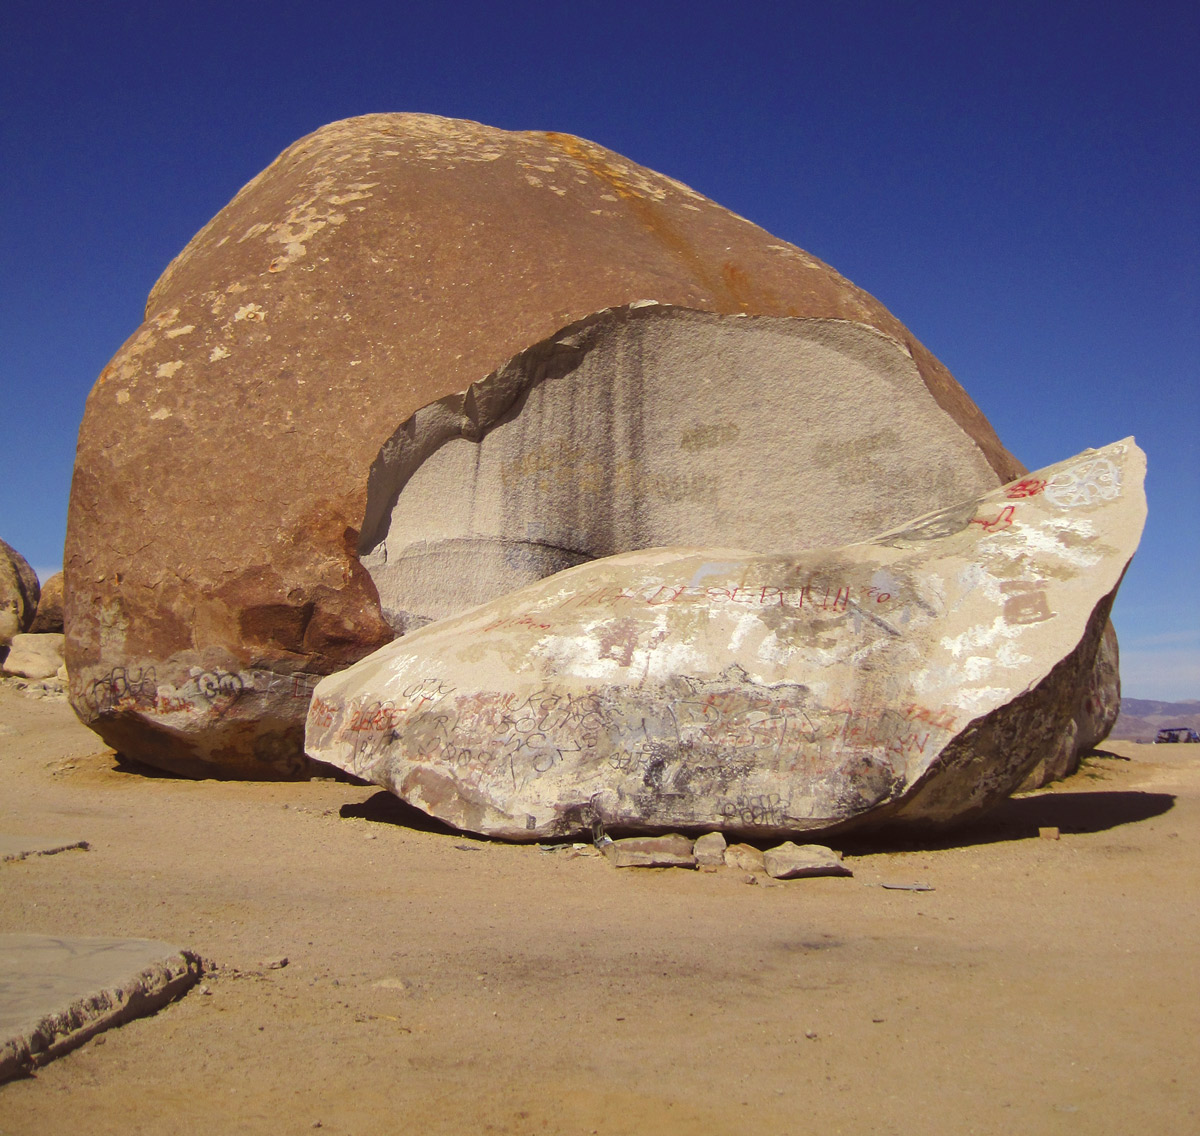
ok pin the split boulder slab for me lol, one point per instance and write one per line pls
(57, 993)
(377, 266)
(917, 678)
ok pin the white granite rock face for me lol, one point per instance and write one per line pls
(649, 426)
(916, 678)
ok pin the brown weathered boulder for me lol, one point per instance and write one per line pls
(916, 678)
(212, 570)
(19, 593)
(49, 617)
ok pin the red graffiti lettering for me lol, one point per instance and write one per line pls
(1030, 487)
(1002, 520)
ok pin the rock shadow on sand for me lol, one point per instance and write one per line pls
(1020, 818)
(384, 808)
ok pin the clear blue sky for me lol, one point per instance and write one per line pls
(1018, 182)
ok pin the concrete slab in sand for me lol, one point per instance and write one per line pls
(56, 993)
(18, 847)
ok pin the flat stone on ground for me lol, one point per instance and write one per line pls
(790, 861)
(56, 993)
(673, 851)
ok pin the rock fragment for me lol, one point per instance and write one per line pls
(710, 850)
(745, 857)
(790, 861)
(913, 679)
(671, 851)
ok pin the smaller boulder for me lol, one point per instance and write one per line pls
(34, 656)
(49, 617)
(710, 850)
(789, 861)
(19, 593)
(745, 857)
(671, 851)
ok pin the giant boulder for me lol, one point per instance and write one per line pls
(916, 678)
(212, 556)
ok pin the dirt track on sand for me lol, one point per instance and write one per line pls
(440, 984)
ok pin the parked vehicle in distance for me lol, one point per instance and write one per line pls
(1177, 734)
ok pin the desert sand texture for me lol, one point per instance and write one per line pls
(437, 983)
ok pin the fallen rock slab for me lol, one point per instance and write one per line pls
(671, 851)
(789, 861)
(916, 678)
(56, 993)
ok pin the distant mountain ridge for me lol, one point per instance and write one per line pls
(1141, 718)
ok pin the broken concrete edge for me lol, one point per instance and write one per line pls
(58, 1033)
(49, 850)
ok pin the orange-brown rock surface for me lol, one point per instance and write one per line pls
(49, 617)
(377, 265)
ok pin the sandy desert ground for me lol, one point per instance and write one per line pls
(441, 984)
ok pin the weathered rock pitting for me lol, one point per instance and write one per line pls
(914, 679)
